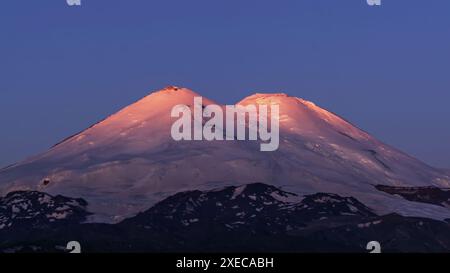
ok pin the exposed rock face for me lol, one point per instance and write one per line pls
(253, 217)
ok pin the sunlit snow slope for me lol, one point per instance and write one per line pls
(129, 161)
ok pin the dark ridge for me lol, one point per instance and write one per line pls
(429, 194)
(171, 87)
(374, 155)
(347, 135)
(253, 219)
(80, 132)
(8, 166)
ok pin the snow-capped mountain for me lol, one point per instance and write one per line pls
(251, 208)
(30, 209)
(128, 162)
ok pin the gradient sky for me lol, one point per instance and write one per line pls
(385, 68)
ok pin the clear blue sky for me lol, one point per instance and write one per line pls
(385, 68)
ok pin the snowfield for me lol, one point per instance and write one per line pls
(128, 162)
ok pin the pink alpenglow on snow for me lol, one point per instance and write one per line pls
(251, 118)
(129, 161)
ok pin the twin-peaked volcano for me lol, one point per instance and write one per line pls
(129, 161)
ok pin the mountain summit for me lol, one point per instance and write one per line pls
(128, 162)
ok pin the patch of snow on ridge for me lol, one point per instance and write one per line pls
(326, 199)
(238, 191)
(286, 198)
